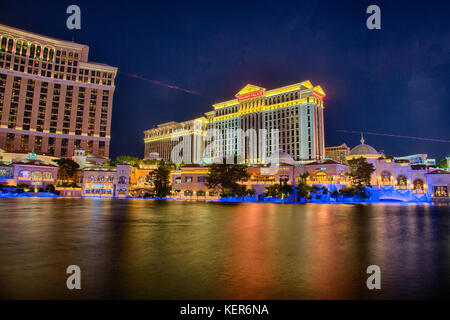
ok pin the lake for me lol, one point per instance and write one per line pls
(146, 249)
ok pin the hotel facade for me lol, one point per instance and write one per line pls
(337, 153)
(392, 180)
(253, 126)
(52, 99)
(185, 139)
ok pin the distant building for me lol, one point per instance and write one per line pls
(153, 156)
(365, 151)
(189, 136)
(402, 178)
(106, 182)
(417, 159)
(52, 99)
(30, 170)
(337, 153)
(86, 161)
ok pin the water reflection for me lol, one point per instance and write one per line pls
(188, 250)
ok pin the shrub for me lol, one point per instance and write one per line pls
(50, 188)
(23, 186)
(335, 194)
(303, 190)
(347, 192)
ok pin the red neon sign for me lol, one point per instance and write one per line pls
(250, 95)
(318, 95)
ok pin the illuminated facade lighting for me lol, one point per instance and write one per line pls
(52, 100)
(296, 111)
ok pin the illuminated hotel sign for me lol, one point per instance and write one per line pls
(317, 94)
(250, 95)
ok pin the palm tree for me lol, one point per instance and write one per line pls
(67, 169)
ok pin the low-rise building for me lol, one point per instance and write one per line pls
(34, 172)
(438, 185)
(325, 173)
(189, 183)
(401, 178)
(393, 179)
(106, 182)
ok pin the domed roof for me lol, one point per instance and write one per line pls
(363, 149)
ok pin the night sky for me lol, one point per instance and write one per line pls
(394, 80)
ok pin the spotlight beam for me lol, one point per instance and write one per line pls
(394, 136)
(159, 83)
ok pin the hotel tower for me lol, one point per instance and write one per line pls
(52, 99)
(294, 112)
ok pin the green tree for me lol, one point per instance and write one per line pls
(23, 186)
(347, 192)
(302, 187)
(161, 180)
(303, 190)
(67, 169)
(148, 195)
(350, 192)
(132, 161)
(280, 190)
(225, 177)
(241, 191)
(251, 192)
(303, 177)
(443, 164)
(286, 190)
(50, 188)
(271, 191)
(360, 171)
(334, 194)
(361, 192)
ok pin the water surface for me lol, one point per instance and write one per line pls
(143, 249)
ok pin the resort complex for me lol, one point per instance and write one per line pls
(55, 113)
(393, 179)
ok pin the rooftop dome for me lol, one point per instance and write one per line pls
(363, 149)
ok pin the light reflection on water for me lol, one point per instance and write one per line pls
(191, 250)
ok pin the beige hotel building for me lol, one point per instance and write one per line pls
(52, 99)
(187, 136)
(294, 111)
